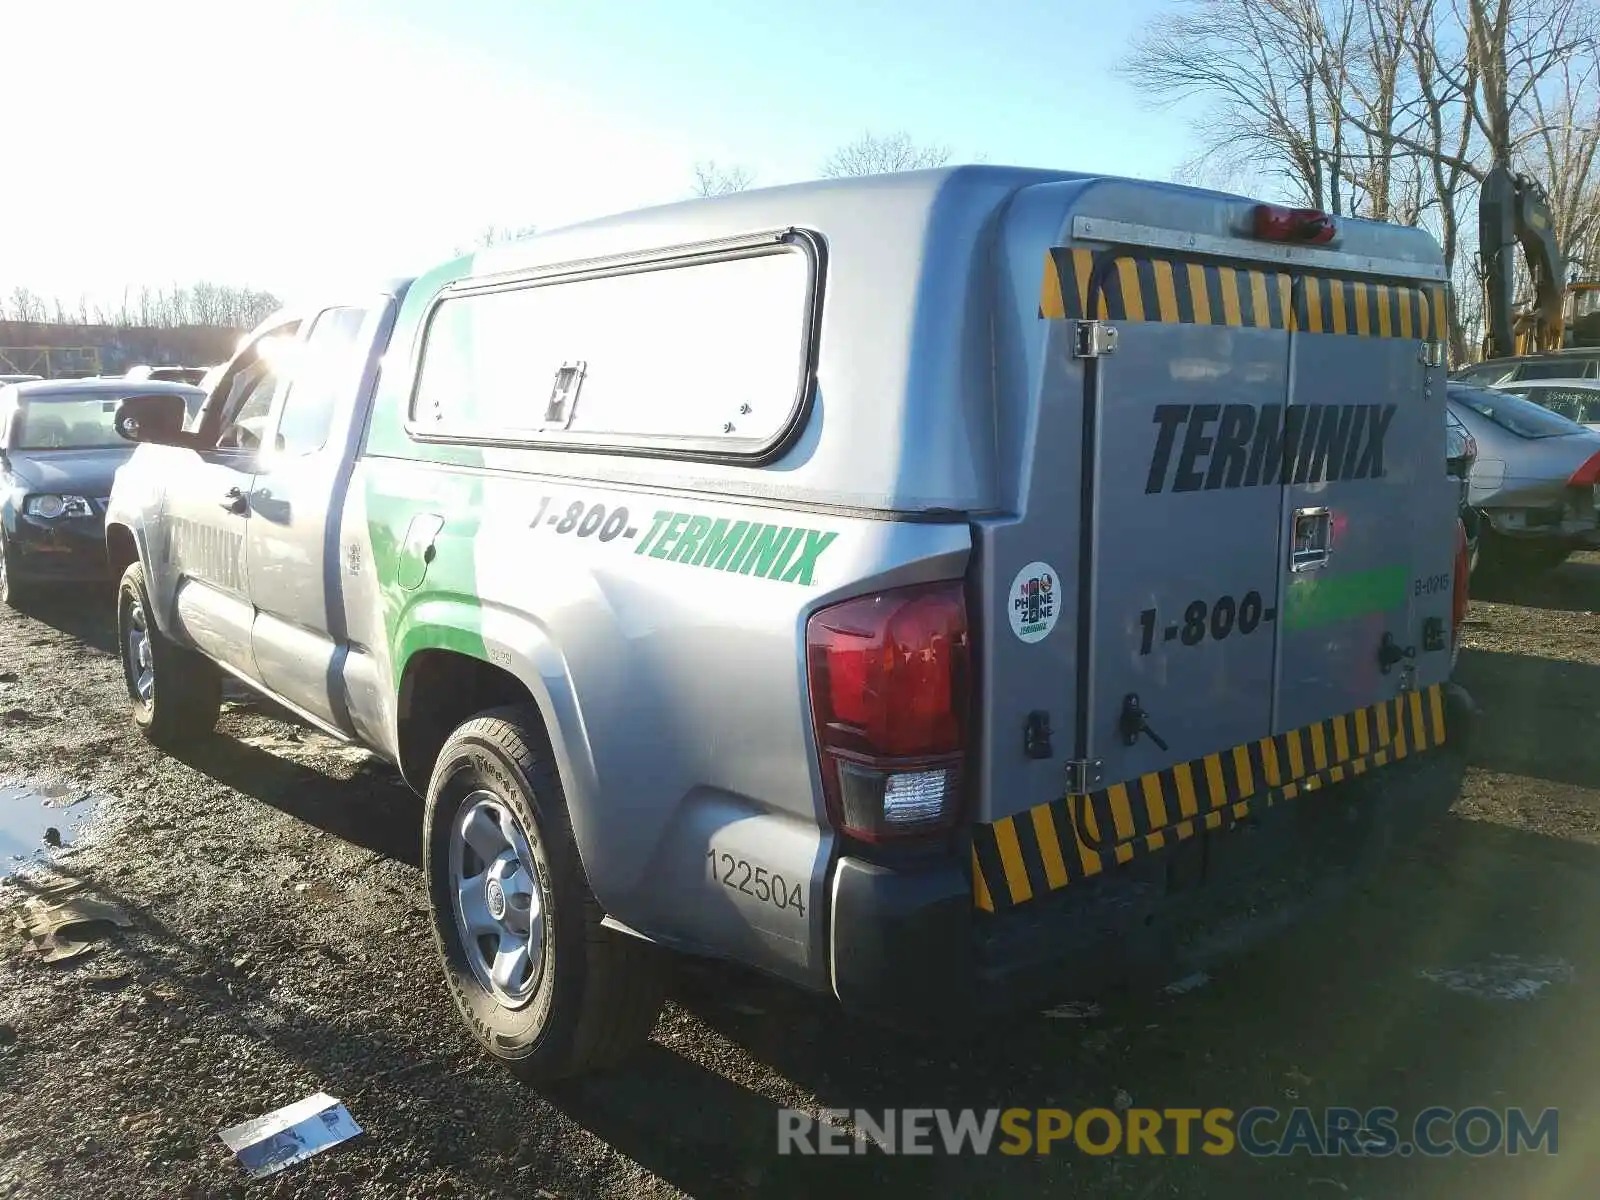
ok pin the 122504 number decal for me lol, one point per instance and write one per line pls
(739, 875)
(1216, 620)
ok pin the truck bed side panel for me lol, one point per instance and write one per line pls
(661, 637)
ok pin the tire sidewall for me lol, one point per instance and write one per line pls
(131, 590)
(542, 1028)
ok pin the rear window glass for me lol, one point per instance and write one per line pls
(709, 351)
(68, 422)
(1514, 414)
(1492, 373)
(77, 420)
(1563, 368)
(1576, 404)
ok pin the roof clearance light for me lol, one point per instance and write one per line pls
(1308, 226)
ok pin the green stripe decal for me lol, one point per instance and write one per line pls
(1314, 601)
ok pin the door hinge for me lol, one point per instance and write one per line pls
(1091, 339)
(1432, 354)
(1084, 775)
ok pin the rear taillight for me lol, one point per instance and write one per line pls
(1458, 595)
(1274, 223)
(891, 680)
(1587, 475)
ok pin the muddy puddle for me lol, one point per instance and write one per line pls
(37, 818)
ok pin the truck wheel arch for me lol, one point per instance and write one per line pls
(442, 688)
(122, 549)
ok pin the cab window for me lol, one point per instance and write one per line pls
(322, 372)
(245, 394)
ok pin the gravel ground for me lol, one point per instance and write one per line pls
(279, 947)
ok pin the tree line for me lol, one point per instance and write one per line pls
(213, 305)
(869, 154)
(219, 305)
(1393, 110)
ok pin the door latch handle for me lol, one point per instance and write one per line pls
(1391, 652)
(234, 501)
(1135, 721)
(1313, 539)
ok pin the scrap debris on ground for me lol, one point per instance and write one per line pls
(256, 933)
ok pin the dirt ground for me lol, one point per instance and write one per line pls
(279, 947)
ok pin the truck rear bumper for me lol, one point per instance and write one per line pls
(909, 947)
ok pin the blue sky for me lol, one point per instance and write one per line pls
(293, 144)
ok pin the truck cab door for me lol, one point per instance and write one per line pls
(296, 500)
(203, 558)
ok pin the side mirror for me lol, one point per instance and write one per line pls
(157, 418)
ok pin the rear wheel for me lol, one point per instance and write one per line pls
(176, 694)
(544, 987)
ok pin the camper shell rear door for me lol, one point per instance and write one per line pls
(1261, 486)
(1181, 573)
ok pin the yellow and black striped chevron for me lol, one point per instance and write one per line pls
(1180, 291)
(1076, 837)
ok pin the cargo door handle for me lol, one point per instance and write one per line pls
(1135, 721)
(234, 501)
(1313, 539)
(1391, 652)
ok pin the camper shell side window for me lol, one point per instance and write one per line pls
(705, 354)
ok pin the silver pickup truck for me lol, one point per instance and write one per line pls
(942, 590)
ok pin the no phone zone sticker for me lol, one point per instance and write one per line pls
(1034, 601)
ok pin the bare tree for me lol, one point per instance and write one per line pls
(1441, 137)
(871, 154)
(1516, 45)
(1390, 109)
(497, 235)
(26, 306)
(204, 304)
(1566, 125)
(1261, 70)
(713, 180)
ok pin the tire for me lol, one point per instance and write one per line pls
(1509, 561)
(585, 997)
(185, 693)
(13, 592)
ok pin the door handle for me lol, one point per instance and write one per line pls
(234, 501)
(1313, 539)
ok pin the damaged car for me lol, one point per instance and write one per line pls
(59, 451)
(1533, 483)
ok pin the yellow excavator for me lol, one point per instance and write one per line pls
(1513, 211)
